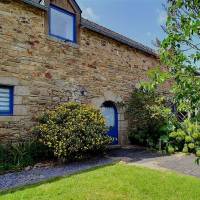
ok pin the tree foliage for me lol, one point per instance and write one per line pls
(180, 54)
(180, 51)
(149, 114)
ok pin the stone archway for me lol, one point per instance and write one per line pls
(122, 122)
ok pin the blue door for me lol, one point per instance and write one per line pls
(109, 112)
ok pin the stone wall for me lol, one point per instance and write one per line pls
(47, 72)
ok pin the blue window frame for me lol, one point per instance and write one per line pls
(6, 100)
(62, 24)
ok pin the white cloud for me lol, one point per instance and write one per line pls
(89, 13)
(162, 16)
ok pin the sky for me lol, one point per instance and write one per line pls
(139, 20)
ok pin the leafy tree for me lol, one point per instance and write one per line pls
(180, 51)
(180, 54)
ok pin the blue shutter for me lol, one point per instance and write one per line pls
(6, 100)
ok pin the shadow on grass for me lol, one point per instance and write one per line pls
(51, 180)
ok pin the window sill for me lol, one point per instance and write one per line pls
(71, 44)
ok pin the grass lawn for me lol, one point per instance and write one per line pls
(113, 182)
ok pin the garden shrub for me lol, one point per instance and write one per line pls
(198, 153)
(73, 131)
(147, 125)
(170, 149)
(186, 138)
(22, 153)
(185, 149)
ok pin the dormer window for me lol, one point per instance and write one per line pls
(62, 24)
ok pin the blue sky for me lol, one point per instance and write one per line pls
(137, 19)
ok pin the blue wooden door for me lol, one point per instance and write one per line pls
(109, 112)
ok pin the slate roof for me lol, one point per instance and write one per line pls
(116, 36)
(102, 30)
(35, 3)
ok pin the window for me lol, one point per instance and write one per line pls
(6, 100)
(109, 114)
(62, 24)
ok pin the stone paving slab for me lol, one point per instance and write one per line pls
(179, 162)
(182, 163)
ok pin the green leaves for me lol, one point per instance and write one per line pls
(15, 156)
(73, 131)
(179, 3)
(180, 51)
(183, 34)
(156, 77)
(186, 138)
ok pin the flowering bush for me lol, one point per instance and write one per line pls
(186, 138)
(73, 131)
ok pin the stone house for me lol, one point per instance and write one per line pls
(49, 55)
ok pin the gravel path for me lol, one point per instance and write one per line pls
(13, 180)
(131, 155)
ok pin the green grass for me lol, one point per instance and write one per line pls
(113, 182)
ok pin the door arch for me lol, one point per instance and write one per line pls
(109, 111)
